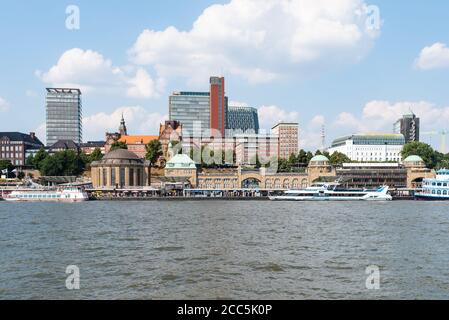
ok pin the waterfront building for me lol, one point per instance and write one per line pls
(416, 171)
(241, 119)
(90, 147)
(218, 105)
(375, 147)
(320, 167)
(192, 110)
(17, 146)
(368, 175)
(408, 126)
(64, 115)
(120, 169)
(288, 133)
(372, 175)
(181, 166)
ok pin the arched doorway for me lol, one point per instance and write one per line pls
(251, 183)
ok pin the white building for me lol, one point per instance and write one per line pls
(370, 147)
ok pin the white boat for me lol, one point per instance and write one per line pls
(435, 189)
(66, 194)
(331, 192)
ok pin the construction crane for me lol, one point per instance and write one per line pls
(443, 135)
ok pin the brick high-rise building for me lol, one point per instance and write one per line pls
(288, 138)
(217, 104)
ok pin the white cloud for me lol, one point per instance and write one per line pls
(433, 57)
(89, 71)
(380, 115)
(310, 134)
(270, 115)
(138, 121)
(259, 41)
(4, 105)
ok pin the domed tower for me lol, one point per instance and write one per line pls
(416, 171)
(319, 166)
(122, 129)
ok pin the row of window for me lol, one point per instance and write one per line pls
(12, 148)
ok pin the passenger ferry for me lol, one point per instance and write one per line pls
(435, 189)
(331, 192)
(67, 194)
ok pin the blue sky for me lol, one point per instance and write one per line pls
(283, 62)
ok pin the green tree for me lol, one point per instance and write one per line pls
(153, 153)
(421, 149)
(96, 155)
(338, 158)
(39, 157)
(64, 163)
(118, 145)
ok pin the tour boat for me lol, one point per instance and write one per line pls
(332, 192)
(435, 189)
(66, 194)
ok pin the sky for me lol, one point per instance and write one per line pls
(350, 65)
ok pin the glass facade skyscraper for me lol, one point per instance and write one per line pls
(64, 115)
(242, 118)
(192, 110)
(408, 125)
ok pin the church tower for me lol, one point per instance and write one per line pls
(122, 129)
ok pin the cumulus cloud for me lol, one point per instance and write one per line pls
(310, 133)
(380, 115)
(138, 121)
(270, 115)
(89, 71)
(259, 41)
(4, 105)
(433, 57)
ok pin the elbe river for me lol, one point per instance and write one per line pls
(224, 250)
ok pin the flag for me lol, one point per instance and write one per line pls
(5, 171)
(14, 171)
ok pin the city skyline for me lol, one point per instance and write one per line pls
(376, 77)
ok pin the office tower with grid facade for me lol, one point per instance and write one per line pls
(64, 115)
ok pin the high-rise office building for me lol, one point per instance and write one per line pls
(64, 115)
(192, 110)
(408, 125)
(242, 118)
(218, 104)
(288, 133)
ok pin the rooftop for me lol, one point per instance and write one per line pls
(63, 90)
(121, 154)
(180, 161)
(18, 136)
(138, 139)
(414, 158)
(319, 158)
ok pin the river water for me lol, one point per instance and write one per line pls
(224, 250)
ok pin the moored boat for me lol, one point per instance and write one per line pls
(66, 194)
(332, 192)
(435, 189)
